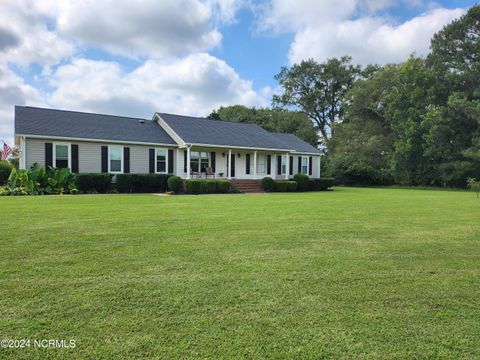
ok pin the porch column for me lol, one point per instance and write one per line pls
(287, 171)
(255, 165)
(229, 162)
(319, 167)
(188, 162)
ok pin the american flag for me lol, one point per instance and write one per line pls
(6, 151)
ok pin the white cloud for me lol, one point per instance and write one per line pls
(14, 91)
(149, 28)
(193, 85)
(325, 29)
(24, 26)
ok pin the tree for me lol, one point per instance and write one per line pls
(455, 56)
(274, 120)
(317, 90)
(362, 148)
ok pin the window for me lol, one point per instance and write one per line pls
(115, 159)
(161, 160)
(61, 155)
(305, 165)
(284, 164)
(261, 164)
(199, 161)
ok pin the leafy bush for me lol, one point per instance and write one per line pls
(223, 186)
(474, 185)
(209, 186)
(38, 181)
(204, 186)
(320, 184)
(193, 186)
(281, 186)
(268, 184)
(291, 186)
(175, 184)
(302, 181)
(141, 183)
(5, 169)
(93, 183)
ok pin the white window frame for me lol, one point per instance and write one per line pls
(308, 165)
(282, 164)
(121, 159)
(199, 159)
(166, 161)
(69, 146)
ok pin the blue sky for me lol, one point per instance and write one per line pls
(191, 56)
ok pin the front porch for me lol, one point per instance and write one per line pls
(240, 164)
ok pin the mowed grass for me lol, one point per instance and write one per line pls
(351, 273)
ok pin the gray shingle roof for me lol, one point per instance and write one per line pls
(73, 124)
(295, 143)
(194, 130)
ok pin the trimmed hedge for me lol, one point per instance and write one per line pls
(268, 184)
(5, 170)
(223, 186)
(320, 184)
(93, 183)
(285, 185)
(142, 183)
(207, 186)
(175, 184)
(302, 181)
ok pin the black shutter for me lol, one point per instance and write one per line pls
(48, 155)
(269, 164)
(74, 150)
(185, 161)
(247, 163)
(232, 164)
(279, 165)
(151, 161)
(310, 165)
(126, 160)
(299, 164)
(170, 161)
(212, 160)
(104, 159)
(291, 165)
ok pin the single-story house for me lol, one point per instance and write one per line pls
(174, 144)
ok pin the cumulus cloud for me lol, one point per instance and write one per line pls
(26, 38)
(154, 28)
(14, 91)
(325, 29)
(192, 85)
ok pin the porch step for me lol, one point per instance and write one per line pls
(248, 186)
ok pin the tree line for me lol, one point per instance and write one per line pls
(414, 123)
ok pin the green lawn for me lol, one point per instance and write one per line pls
(351, 273)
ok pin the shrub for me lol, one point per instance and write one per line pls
(141, 183)
(193, 186)
(291, 186)
(38, 181)
(268, 184)
(223, 186)
(5, 169)
(93, 183)
(321, 184)
(281, 186)
(175, 184)
(302, 181)
(207, 186)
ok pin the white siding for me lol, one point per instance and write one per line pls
(89, 155)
